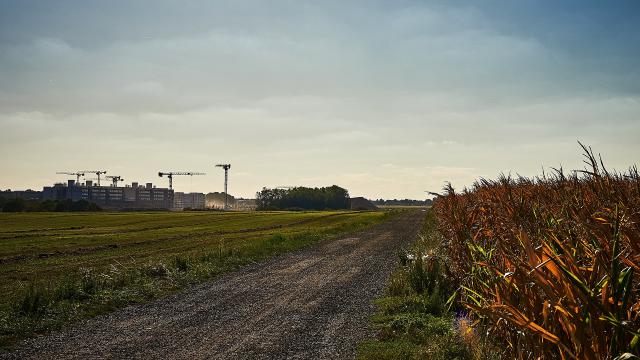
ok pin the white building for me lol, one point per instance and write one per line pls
(188, 201)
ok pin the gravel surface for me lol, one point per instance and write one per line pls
(309, 304)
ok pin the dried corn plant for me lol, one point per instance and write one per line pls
(550, 266)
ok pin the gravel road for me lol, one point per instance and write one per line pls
(309, 304)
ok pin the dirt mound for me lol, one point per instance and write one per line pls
(360, 203)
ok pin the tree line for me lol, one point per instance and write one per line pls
(303, 198)
(22, 205)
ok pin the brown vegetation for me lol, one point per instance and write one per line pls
(549, 266)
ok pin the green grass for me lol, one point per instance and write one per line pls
(417, 318)
(57, 268)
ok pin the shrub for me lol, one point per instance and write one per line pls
(159, 270)
(180, 263)
(276, 239)
(67, 289)
(89, 282)
(34, 301)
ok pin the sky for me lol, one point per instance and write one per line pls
(385, 98)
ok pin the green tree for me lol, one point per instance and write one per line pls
(14, 205)
(303, 198)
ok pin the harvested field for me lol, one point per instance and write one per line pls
(58, 268)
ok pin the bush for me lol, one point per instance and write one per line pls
(67, 289)
(180, 263)
(159, 270)
(89, 283)
(34, 301)
(276, 239)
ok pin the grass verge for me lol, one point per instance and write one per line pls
(418, 318)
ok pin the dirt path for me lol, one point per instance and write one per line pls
(309, 304)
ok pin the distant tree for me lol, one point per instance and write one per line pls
(80, 205)
(336, 198)
(20, 204)
(32, 205)
(48, 205)
(14, 205)
(83, 205)
(63, 205)
(303, 198)
(268, 199)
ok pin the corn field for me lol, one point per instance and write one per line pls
(549, 267)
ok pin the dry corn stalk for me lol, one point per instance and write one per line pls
(550, 265)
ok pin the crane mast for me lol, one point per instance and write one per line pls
(97, 172)
(115, 179)
(226, 168)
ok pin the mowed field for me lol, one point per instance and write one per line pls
(58, 267)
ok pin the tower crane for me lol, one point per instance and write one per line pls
(97, 172)
(77, 174)
(94, 180)
(115, 179)
(171, 174)
(226, 168)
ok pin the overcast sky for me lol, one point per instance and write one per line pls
(384, 98)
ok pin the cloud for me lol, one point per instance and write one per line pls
(388, 99)
(438, 52)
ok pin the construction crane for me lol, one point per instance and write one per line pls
(97, 172)
(115, 179)
(77, 174)
(86, 180)
(226, 168)
(171, 174)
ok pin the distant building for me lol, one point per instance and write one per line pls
(188, 201)
(215, 200)
(178, 201)
(135, 196)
